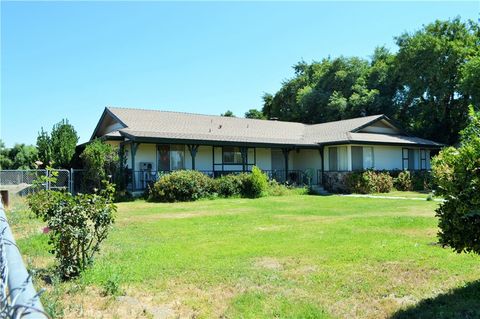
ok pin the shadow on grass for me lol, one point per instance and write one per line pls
(461, 302)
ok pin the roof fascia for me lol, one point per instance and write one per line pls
(105, 112)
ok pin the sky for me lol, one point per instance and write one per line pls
(72, 59)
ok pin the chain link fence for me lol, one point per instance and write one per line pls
(20, 182)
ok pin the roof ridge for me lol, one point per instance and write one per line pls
(199, 114)
(241, 118)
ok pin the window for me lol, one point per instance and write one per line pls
(423, 159)
(362, 158)
(408, 159)
(177, 157)
(368, 157)
(232, 155)
(171, 157)
(337, 158)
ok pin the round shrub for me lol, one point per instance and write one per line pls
(255, 184)
(403, 182)
(181, 186)
(384, 182)
(229, 185)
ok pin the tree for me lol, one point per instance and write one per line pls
(5, 161)
(430, 63)
(101, 161)
(23, 156)
(228, 113)
(255, 114)
(457, 172)
(427, 86)
(44, 147)
(64, 139)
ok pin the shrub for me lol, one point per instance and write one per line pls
(422, 181)
(368, 182)
(76, 225)
(101, 162)
(255, 184)
(403, 182)
(384, 182)
(181, 186)
(277, 189)
(230, 185)
(457, 173)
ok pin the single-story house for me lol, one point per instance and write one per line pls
(156, 142)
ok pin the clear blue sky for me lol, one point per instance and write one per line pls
(71, 59)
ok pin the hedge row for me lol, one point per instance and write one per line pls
(383, 181)
(181, 186)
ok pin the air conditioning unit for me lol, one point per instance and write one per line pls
(146, 166)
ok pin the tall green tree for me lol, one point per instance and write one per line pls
(44, 147)
(5, 161)
(23, 156)
(427, 85)
(64, 139)
(431, 63)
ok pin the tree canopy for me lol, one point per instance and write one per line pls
(20, 156)
(426, 86)
(58, 147)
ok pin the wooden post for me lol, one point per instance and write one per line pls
(193, 152)
(321, 150)
(244, 151)
(133, 150)
(286, 152)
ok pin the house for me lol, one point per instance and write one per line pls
(157, 142)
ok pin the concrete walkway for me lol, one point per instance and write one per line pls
(392, 197)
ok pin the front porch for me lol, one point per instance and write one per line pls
(146, 162)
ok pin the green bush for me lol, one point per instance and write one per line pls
(457, 174)
(255, 184)
(422, 181)
(277, 189)
(368, 182)
(403, 182)
(384, 182)
(76, 225)
(181, 186)
(230, 185)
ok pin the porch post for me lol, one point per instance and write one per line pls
(243, 150)
(286, 151)
(193, 148)
(133, 151)
(321, 150)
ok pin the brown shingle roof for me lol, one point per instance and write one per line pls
(188, 126)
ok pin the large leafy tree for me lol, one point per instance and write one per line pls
(23, 156)
(63, 139)
(431, 63)
(5, 160)
(427, 85)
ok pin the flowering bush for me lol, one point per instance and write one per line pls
(76, 225)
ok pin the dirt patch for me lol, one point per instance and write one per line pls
(268, 263)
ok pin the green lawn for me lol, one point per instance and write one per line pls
(295, 256)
